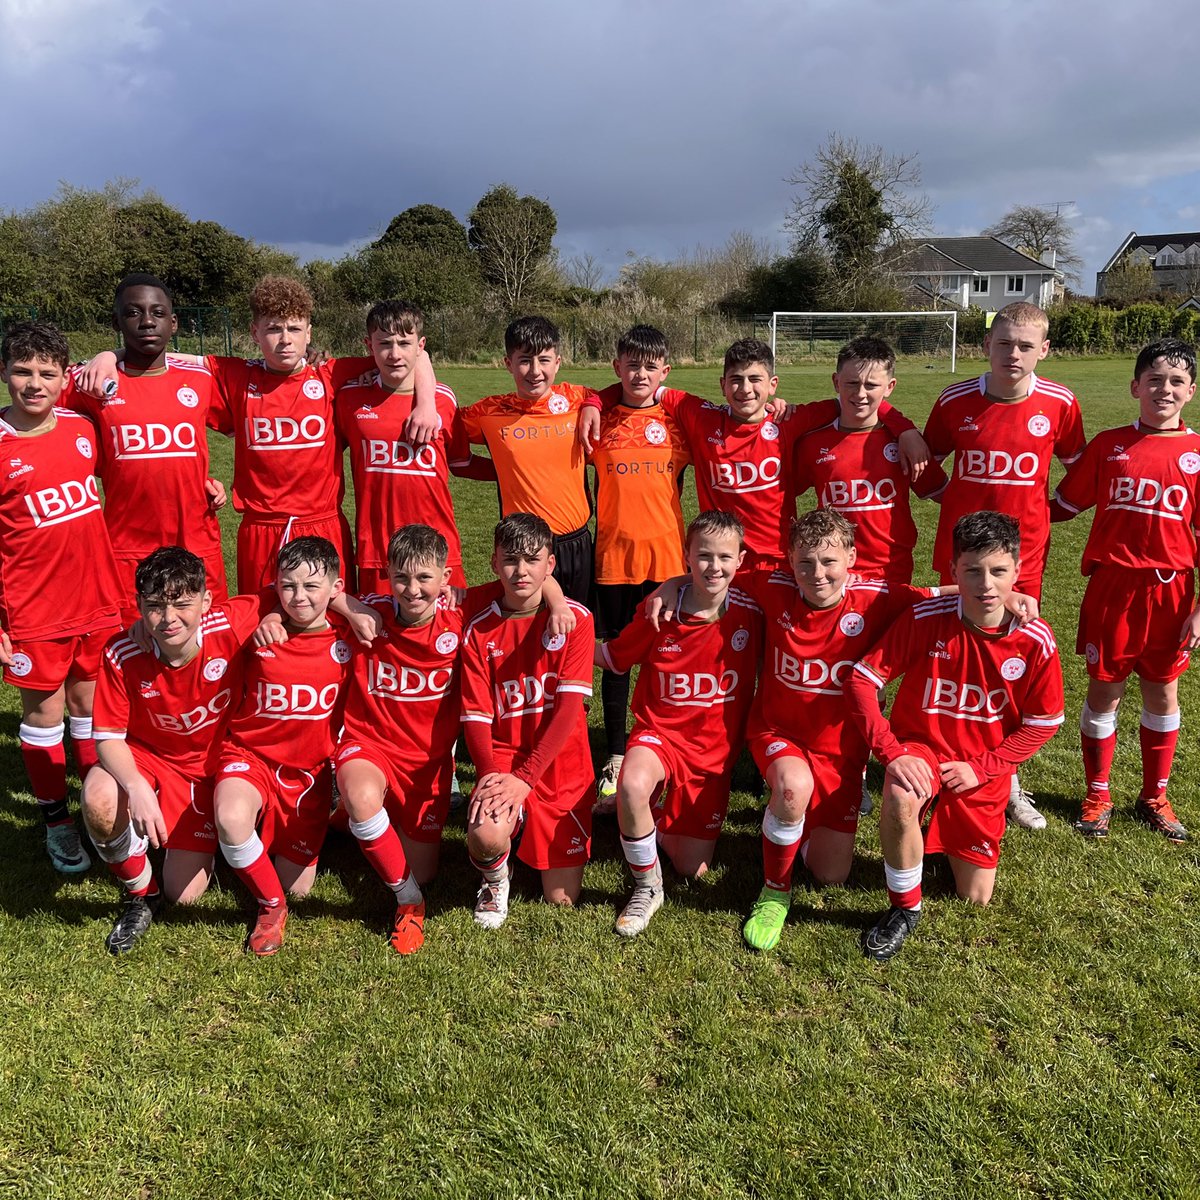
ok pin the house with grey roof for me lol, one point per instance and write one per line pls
(980, 271)
(1174, 260)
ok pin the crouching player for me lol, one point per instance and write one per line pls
(58, 582)
(690, 708)
(159, 718)
(526, 728)
(274, 769)
(1138, 614)
(818, 623)
(980, 695)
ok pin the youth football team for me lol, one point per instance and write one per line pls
(203, 723)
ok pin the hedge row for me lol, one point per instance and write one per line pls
(1090, 329)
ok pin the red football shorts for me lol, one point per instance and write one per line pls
(295, 803)
(837, 782)
(966, 825)
(186, 803)
(558, 829)
(691, 802)
(417, 798)
(1130, 622)
(214, 571)
(373, 581)
(259, 541)
(45, 666)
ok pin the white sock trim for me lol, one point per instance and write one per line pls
(640, 852)
(372, 827)
(1161, 722)
(81, 728)
(902, 879)
(250, 851)
(125, 845)
(34, 735)
(781, 833)
(1097, 725)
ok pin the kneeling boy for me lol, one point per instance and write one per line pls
(526, 729)
(690, 708)
(274, 768)
(981, 694)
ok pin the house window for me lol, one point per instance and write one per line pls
(981, 285)
(1015, 285)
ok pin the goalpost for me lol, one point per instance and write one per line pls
(799, 335)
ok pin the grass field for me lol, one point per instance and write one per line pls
(1044, 1047)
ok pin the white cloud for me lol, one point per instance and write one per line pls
(80, 36)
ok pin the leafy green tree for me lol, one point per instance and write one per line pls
(512, 236)
(427, 227)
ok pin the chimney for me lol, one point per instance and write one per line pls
(1049, 257)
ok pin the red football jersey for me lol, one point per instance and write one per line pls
(1145, 484)
(964, 691)
(403, 691)
(697, 678)
(512, 671)
(396, 483)
(179, 713)
(287, 460)
(1002, 453)
(291, 709)
(746, 469)
(154, 460)
(857, 472)
(57, 576)
(810, 653)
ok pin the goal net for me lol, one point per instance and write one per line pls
(796, 336)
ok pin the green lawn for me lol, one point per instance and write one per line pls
(1043, 1047)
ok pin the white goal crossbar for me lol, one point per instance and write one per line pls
(896, 327)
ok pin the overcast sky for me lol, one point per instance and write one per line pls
(651, 127)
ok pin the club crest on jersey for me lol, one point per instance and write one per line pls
(235, 768)
(553, 641)
(558, 404)
(214, 669)
(891, 452)
(187, 397)
(1189, 463)
(340, 652)
(775, 747)
(656, 433)
(852, 624)
(314, 389)
(1091, 653)
(740, 638)
(21, 665)
(447, 643)
(770, 431)
(1012, 669)
(84, 446)
(1038, 425)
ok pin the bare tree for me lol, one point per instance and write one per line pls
(861, 204)
(1035, 229)
(585, 271)
(512, 236)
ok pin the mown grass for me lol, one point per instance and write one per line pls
(1045, 1046)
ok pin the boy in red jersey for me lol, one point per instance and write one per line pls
(639, 458)
(980, 695)
(526, 727)
(396, 481)
(853, 465)
(394, 759)
(287, 466)
(274, 770)
(1003, 429)
(58, 583)
(743, 457)
(153, 446)
(1138, 615)
(159, 718)
(530, 433)
(690, 707)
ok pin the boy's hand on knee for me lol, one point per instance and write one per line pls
(6, 650)
(959, 776)
(912, 773)
(214, 489)
(1189, 637)
(145, 814)
(503, 796)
